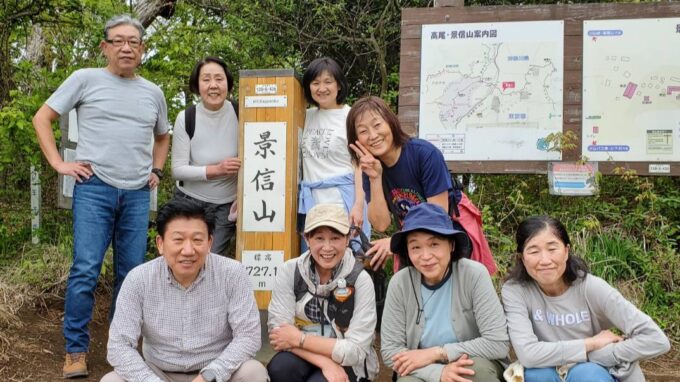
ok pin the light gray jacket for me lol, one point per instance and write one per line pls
(477, 317)
(356, 345)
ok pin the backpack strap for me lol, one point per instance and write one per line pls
(300, 286)
(190, 118)
(453, 200)
(334, 308)
(234, 104)
(190, 121)
(341, 312)
(189, 126)
(354, 274)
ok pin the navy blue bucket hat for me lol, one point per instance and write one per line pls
(430, 217)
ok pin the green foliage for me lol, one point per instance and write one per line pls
(15, 230)
(562, 141)
(363, 36)
(70, 31)
(44, 268)
(193, 33)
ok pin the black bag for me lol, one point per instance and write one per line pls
(341, 311)
(359, 247)
(190, 118)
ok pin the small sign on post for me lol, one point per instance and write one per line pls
(266, 101)
(573, 178)
(262, 267)
(659, 168)
(35, 205)
(266, 89)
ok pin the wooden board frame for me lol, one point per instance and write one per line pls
(573, 15)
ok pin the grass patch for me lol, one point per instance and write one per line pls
(39, 273)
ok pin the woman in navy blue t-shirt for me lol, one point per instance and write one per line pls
(398, 171)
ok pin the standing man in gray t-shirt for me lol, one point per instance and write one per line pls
(123, 142)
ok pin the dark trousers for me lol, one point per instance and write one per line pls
(287, 367)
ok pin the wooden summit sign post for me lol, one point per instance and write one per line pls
(271, 118)
(487, 84)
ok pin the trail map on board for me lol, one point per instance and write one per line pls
(631, 90)
(492, 91)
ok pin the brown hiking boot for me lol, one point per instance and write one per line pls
(75, 365)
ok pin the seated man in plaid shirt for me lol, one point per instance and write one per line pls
(195, 310)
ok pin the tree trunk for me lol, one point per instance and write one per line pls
(34, 48)
(12, 17)
(148, 10)
(6, 83)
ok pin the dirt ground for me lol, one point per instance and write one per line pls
(35, 351)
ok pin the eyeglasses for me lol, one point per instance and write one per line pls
(119, 42)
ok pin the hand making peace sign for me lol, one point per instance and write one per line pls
(367, 162)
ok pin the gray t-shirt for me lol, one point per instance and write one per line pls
(550, 331)
(117, 119)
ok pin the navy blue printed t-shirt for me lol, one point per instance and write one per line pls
(420, 173)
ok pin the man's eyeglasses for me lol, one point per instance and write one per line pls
(119, 42)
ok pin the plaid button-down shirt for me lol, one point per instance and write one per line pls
(214, 323)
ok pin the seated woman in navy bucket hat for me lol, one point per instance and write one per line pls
(443, 320)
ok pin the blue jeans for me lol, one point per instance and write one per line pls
(581, 372)
(102, 214)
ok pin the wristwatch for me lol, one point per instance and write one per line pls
(209, 375)
(158, 172)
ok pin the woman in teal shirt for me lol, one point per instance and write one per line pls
(443, 320)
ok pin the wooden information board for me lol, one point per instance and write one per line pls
(573, 17)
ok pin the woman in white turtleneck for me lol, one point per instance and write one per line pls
(206, 164)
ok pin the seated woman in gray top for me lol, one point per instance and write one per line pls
(443, 320)
(205, 159)
(560, 316)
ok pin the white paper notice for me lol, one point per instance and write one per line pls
(262, 267)
(264, 176)
(69, 181)
(73, 126)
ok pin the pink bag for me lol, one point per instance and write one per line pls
(471, 219)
